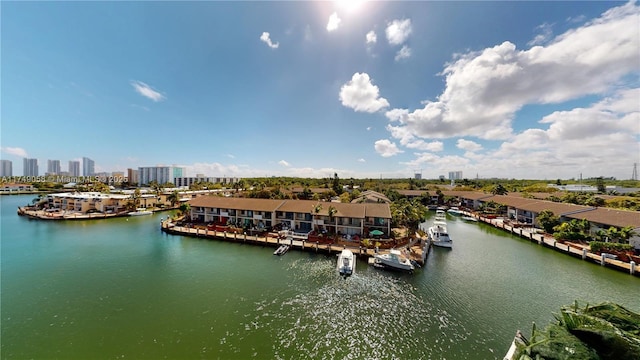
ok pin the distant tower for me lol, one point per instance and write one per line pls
(634, 176)
(417, 175)
(7, 168)
(30, 167)
(88, 167)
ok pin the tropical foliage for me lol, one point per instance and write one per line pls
(605, 331)
(599, 247)
(574, 230)
(548, 220)
(405, 213)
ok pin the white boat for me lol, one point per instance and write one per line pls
(440, 215)
(281, 250)
(439, 235)
(454, 211)
(346, 263)
(393, 260)
(469, 218)
(140, 211)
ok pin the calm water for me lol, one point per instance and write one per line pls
(120, 288)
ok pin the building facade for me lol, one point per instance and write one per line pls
(53, 167)
(88, 167)
(159, 174)
(455, 175)
(132, 176)
(300, 216)
(190, 180)
(6, 168)
(74, 168)
(30, 167)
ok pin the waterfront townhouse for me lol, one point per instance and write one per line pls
(87, 202)
(297, 215)
(16, 188)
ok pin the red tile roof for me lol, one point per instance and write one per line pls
(297, 206)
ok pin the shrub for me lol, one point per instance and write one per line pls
(599, 247)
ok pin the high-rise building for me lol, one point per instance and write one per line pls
(159, 174)
(88, 167)
(132, 176)
(53, 167)
(74, 168)
(7, 168)
(455, 175)
(30, 167)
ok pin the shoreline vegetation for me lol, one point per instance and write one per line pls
(409, 200)
(605, 331)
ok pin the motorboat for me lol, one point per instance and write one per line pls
(346, 263)
(394, 260)
(455, 211)
(281, 250)
(140, 211)
(469, 218)
(440, 215)
(439, 235)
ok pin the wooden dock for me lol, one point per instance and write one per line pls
(415, 250)
(547, 241)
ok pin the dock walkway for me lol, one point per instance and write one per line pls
(550, 242)
(414, 250)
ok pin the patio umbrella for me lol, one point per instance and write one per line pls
(375, 233)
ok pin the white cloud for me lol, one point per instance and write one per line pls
(545, 33)
(16, 151)
(362, 160)
(386, 148)
(147, 91)
(398, 31)
(368, 128)
(371, 37)
(468, 145)
(599, 140)
(266, 38)
(441, 164)
(231, 156)
(217, 169)
(284, 163)
(334, 22)
(361, 95)
(485, 89)
(403, 53)
(434, 146)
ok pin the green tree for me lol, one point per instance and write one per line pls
(336, 184)
(548, 220)
(499, 190)
(316, 210)
(174, 198)
(185, 209)
(600, 185)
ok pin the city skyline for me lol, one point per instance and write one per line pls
(539, 90)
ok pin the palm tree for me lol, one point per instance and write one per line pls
(332, 212)
(174, 198)
(186, 209)
(316, 210)
(136, 197)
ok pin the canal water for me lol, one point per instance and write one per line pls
(120, 288)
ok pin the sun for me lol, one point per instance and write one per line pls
(349, 6)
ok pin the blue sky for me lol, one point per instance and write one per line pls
(537, 90)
